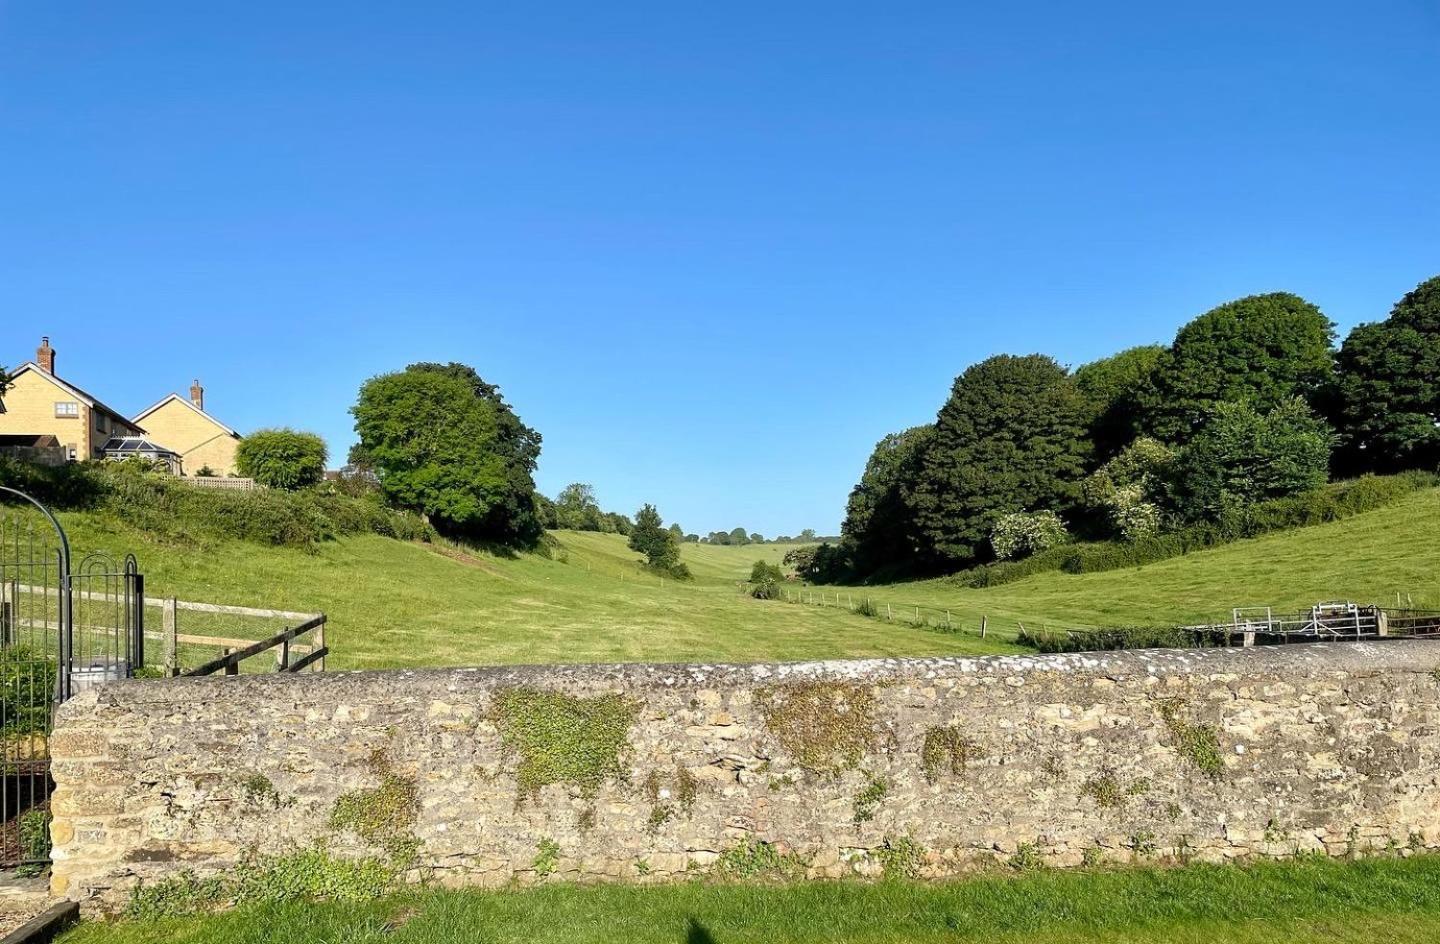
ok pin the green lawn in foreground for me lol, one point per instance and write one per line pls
(1365, 559)
(1397, 901)
(396, 604)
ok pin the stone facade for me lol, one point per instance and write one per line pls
(653, 772)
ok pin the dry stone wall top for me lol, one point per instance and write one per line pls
(924, 767)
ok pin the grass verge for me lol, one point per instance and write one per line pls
(1397, 900)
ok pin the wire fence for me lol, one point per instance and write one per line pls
(915, 615)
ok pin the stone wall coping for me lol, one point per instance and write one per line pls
(1307, 659)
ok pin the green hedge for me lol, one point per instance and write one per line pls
(1332, 502)
(1119, 637)
(168, 507)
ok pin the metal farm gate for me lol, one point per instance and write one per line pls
(62, 629)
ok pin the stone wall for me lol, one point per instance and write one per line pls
(651, 772)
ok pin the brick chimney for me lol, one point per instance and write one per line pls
(45, 356)
(197, 395)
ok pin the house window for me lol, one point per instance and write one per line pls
(67, 409)
(74, 451)
(100, 421)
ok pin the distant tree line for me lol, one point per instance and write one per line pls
(575, 509)
(1249, 402)
(739, 537)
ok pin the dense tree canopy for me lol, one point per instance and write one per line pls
(1261, 350)
(1010, 438)
(1240, 456)
(1110, 388)
(444, 443)
(877, 528)
(1386, 397)
(282, 458)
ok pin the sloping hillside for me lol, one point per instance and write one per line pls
(1366, 559)
(393, 603)
(399, 604)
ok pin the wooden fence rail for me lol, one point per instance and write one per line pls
(170, 637)
(229, 663)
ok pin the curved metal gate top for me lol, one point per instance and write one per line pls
(61, 631)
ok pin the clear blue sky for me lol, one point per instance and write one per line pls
(711, 251)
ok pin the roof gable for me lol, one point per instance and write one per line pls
(74, 391)
(175, 397)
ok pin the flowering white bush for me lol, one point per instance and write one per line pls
(1023, 533)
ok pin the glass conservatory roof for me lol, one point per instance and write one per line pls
(135, 445)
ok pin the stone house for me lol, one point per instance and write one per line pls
(40, 404)
(200, 440)
(177, 432)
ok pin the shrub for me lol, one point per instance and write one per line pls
(282, 458)
(1022, 534)
(765, 580)
(27, 683)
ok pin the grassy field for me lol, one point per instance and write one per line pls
(399, 604)
(1393, 900)
(1366, 559)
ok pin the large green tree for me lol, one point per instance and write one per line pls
(1010, 438)
(877, 529)
(1240, 456)
(446, 444)
(1262, 350)
(1386, 396)
(1110, 388)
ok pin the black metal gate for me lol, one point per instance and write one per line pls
(62, 630)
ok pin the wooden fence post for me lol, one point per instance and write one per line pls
(984, 625)
(170, 619)
(320, 644)
(234, 667)
(1382, 622)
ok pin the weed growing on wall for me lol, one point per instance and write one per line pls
(1109, 792)
(259, 791)
(868, 799)
(900, 857)
(826, 727)
(383, 815)
(561, 738)
(547, 857)
(947, 749)
(754, 858)
(664, 801)
(1197, 743)
(306, 875)
(1026, 858)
